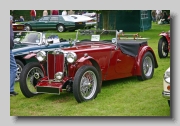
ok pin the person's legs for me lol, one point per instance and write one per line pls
(13, 70)
(33, 18)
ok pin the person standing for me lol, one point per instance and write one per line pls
(71, 12)
(153, 15)
(165, 17)
(13, 65)
(21, 19)
(158, 15)
(64, 12)
(33, 15)
(45, 13)
(55, 12)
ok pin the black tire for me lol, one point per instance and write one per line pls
(147, 67)
(169, 103)
(20, 66)
(82, 85)
(163, 47)
(28, 27)
(60, 28)
(27, 78)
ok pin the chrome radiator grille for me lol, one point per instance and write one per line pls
(55, 63)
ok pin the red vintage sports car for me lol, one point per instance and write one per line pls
(82, 68)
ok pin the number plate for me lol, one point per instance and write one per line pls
(19, 27)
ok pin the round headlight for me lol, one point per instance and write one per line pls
(41, 56)
(167, 76)
(58, 76)
(71, 57)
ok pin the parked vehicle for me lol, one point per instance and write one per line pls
(54, 22)
(166, 86)
(18, 27)
(92, 15)
(82, 68)
(90, 22)
(27, 42)
(164, 44)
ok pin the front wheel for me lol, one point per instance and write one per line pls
(162, 48)
(147, 67)
(86, 83)
(29, 77)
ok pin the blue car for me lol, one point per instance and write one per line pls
(31, 41)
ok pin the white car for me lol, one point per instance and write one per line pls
(166, 85)
(90, 22)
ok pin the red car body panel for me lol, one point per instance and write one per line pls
(111, 61)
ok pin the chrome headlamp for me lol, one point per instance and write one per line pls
(167, 76)
(71, 57)
(41, 56)
(58, 76)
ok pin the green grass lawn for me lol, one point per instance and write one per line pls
(122, 97)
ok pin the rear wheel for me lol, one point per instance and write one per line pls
(30, 75)
(162, 48)
(147, 66)
(60, 28)
(28, 28)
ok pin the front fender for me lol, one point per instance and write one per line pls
(95, 64)
(139, 59)
(30, 55)
(167, 36)
(82, 59)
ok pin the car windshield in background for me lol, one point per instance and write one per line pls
(96, 35)
(29, 37)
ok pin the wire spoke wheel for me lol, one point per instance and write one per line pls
(88, 85)
(147, 66)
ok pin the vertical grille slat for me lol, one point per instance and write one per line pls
(55, 64)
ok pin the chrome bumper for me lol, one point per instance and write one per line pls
(166, 94)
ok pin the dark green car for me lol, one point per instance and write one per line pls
(54, 22)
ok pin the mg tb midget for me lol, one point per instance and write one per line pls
(82, 68)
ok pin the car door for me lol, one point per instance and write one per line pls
(53, 21)
(124, 63)
(42, 23)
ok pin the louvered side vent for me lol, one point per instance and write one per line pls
(55, 64)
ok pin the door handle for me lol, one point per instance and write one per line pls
(118, 60)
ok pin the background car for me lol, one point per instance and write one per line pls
(18, 27)
(90, 22)
(166, 86)
(80, 69)
(164, 44)
(31, 41)
(92, 15)
(51, 22)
